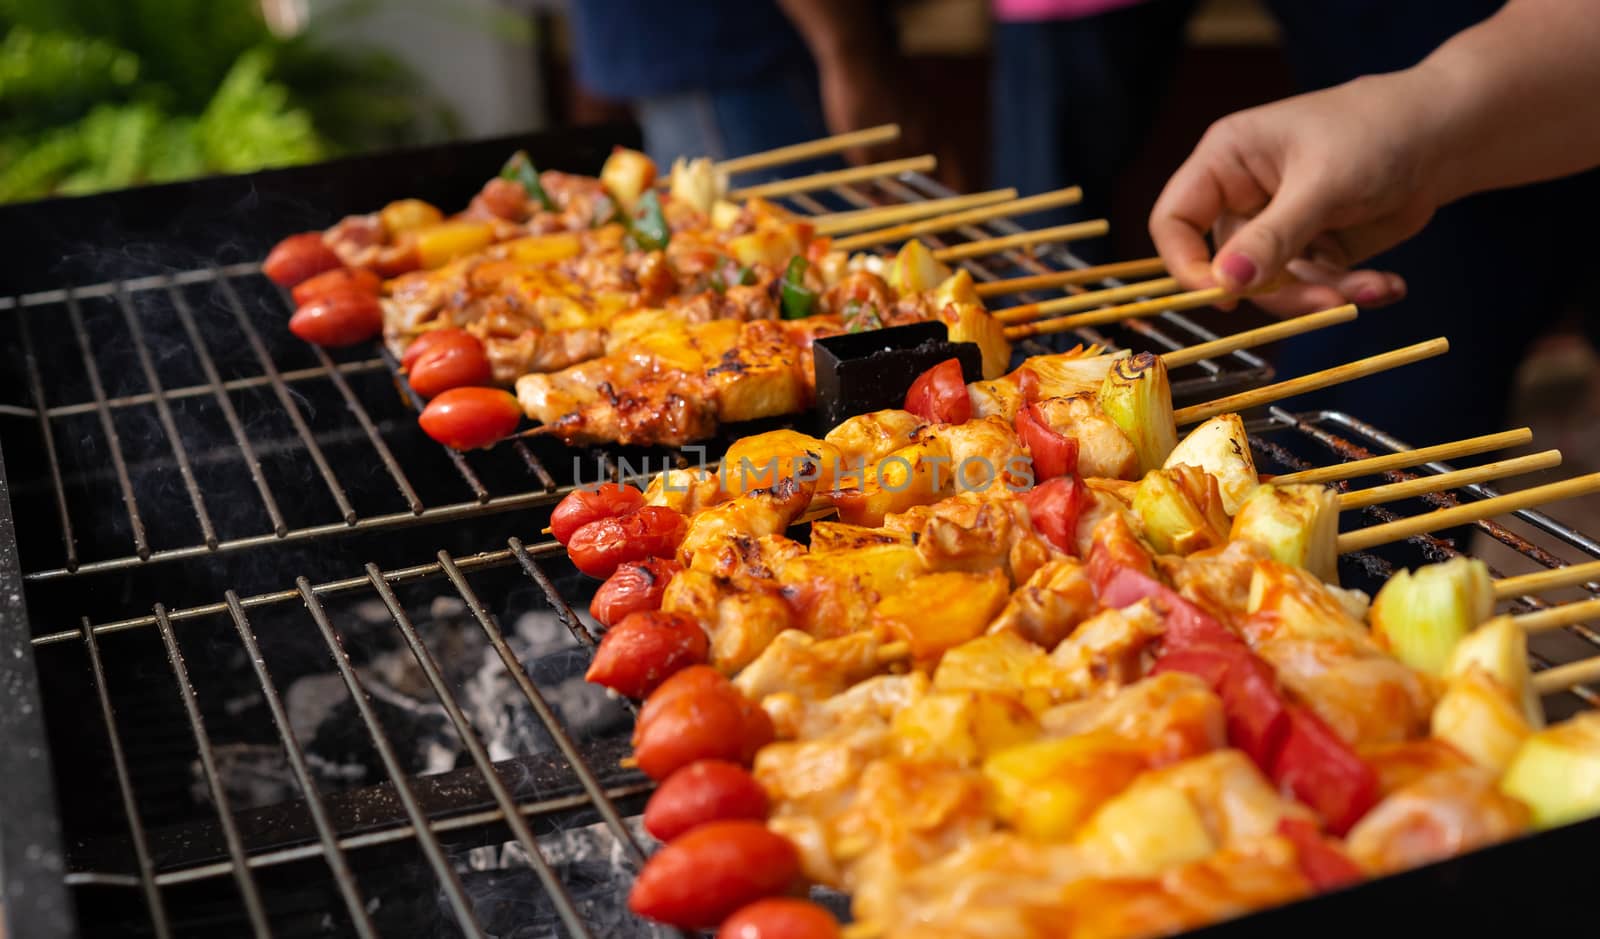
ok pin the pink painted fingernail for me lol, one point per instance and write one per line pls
(1237, 270)
(1370, 295)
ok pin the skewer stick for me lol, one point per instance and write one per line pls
(1088, 301)
(1073, 232)
(844, 177)
(1371, 365)
(1562, 677)
(794, 153)
(1409, 458)
(1111, 314)
(1045, 200)
(1438, 482)
(836, 223)
(1557, 616)
(1471, 512)
(1262, 335)
(1525, 585)
(1143, 267)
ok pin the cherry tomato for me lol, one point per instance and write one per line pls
(504, 198)
(645, 649)
(1054, 508)
(582, 506)
(698, 880)
(599, 547)
(635, 587)
(1053, 454)
(338, 280)
(454, 360)
(780, 918)
(698, 717)
(694, 680)
(343, 318)
(468, 418)
(298, 258)
(940, 394)
(702, 792)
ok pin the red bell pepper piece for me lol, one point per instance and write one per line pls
(1116, 549)
(939, 395)
(1321, 770)
(1053, 454)
(1257, 715)
(1327, 867)
(1054, 509)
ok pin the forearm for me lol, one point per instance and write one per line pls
(1516, 99)
(835, 30)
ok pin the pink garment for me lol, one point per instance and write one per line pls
(1026, 11)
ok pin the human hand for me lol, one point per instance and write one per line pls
(1301, 191)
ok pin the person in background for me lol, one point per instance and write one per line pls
(721, 78)
(1353, 173)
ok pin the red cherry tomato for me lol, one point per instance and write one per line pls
(696, 716)
(599, 547)
(299, 257)
(338, 280)
(1054, 508)
(338, 319)
(702, 792)
(780, 918)
(468, 418)
(1053, 454)
(645, 649)
(698, 880)
(634, 588)
(940, 394)
(582, 506)
(455, 359)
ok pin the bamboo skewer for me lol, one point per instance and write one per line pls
(1528, 584)
(1557, 616)
(794, 153)
(1045, 200)
(1090, 300)
(1439, 482)
(1072, 232)
(1111, 314)
(1371, 365)
(1143, 267)
(1261, 335)
(1399, 529)
(844, 177)
(1562, 677)
(836, 223)
(1409, 458)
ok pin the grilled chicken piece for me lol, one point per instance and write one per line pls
(1111, 648)
(1103, 449)
(726, 533)
(1400, 764)
(1050, 605)
(868, 438)
(741, 615)
(1441, 814)
(1173, 716)
(1367, 697)
(975, 531)
(810, 669)
(1217, 579)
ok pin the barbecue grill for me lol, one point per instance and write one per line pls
(274, 663)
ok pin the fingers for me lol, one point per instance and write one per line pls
(1191, 202)
(1259, 251)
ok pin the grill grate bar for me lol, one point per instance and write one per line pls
(219, 391)
(118, 461)
(286, 399)
(535, 465)
(164, 413)
(541, 707)
(132, 285)
(47, 434)
(302, 773)
(254, 908)
(480, 756)
(130, 806)
(417, 404)
(432, 848)
(563, 609)
(200, 391)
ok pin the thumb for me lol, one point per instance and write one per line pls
(1257, 252)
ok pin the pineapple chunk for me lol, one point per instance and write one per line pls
(1420, 616)
(769, 245)
(936, 612)
(972, 323)
(957, 288)
(1481, 718)
(1137, 396)
(868, 438)
(962, 727)
(833, 593)
(626, 174)
(914, 269)
(405, 215)
(697, 183)
(1181, 508)
(1150, 827)
(913, 475)
(1298, 524)
(1557, 771)
(446, 241)
(725, 214)
(760, 460)
(544, 249)
(1499, 649)
(1049, 788)
(837, 536)
(1222, 448)
(1004, 662)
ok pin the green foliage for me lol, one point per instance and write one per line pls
(100, 94)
